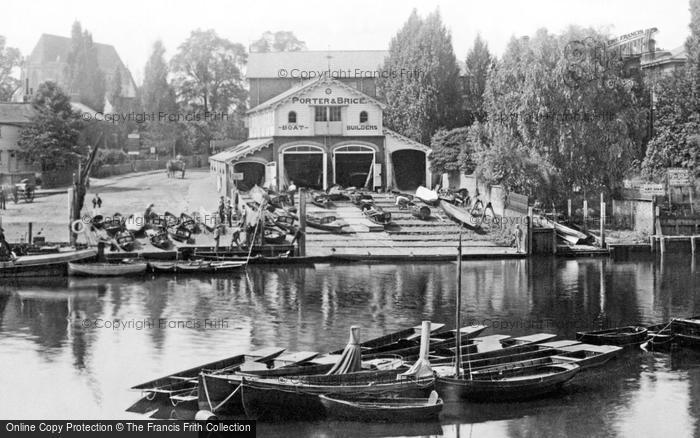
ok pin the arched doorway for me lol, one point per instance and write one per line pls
(409, 168)
(253, 173)
(305, 166)
(353, 166)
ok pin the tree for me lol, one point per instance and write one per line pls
(10, 59)
(586, 133)
(207, 72)
(85, 78)
(677, 111)
(479, 62)
(280, 41)
(452, 151)
(424, 93)
(52, 138)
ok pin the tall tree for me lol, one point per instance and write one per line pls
(586, 134)
(479, 62)
(677, 111)
(452, 151)
(280, 41)
(85, 78)
(10, 59)
(424, 94)
(52, 138)
(156, 93)
(207, 72)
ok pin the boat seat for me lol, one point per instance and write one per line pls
(433, 399)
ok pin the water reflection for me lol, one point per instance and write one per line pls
(48, 348)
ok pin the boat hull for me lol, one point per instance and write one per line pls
(547, 379)
(621, 336)
(381, 410)
(106, 269)
(45, 265)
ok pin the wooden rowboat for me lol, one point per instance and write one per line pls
(382, 409)
(326, 223)
(375, 214)
(44, 265)
(461, 215)
(617, 336)
(195, 267)
(514, 381)
(159, 238)
(106, 269)
(297, 397)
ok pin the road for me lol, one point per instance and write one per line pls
(125, 194)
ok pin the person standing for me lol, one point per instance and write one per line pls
(291, 190)
(518, 238)
(99, 201)
(229, 212)
(222, 210)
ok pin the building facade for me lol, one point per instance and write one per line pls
(13, 118)
(319, 132)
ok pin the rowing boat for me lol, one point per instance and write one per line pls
(376, 214)
(513, 381)
(382, 409)
(616, 336)
(297, 397)
(106, 269)
(195, 267)
(44, 265)
(325, 223)
(495, 346)
(461, 215)
(441, 342)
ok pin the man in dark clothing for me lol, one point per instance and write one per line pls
(99, 201)
(229, 212)
(222, 210)
(5, 251)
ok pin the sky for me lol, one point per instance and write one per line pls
(133, 26)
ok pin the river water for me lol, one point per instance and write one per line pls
(63, 356)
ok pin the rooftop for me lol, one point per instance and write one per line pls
(15, 113)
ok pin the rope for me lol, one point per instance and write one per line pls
(657, 333)
(213, 409)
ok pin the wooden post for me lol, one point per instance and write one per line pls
(29, 233)
(458, 310)
(602, 224)
(301, 242)
(585, 215)
(692, 244)
(71, 207)
(530, 215)
(568, 209)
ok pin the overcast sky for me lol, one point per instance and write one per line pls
(132, 26)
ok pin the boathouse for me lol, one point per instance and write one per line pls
(320, 132)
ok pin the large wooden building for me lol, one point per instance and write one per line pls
(321, 131)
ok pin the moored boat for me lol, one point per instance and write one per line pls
(382, 409)
(106, 269)
(195, 267)
(513, 381)
(44, 265)
(629, 335)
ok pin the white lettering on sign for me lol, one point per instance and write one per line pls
(329, 100)
(293, 127)
(678, 177)
(652, 189)
(361, 127)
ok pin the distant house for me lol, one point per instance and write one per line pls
(48, 62)
(13, 118)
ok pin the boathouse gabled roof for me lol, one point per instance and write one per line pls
(246, 148)
(308, 86)
(404, 139)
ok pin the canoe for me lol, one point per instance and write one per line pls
(461, 215)
(44, 265)
(616, 336)
(382, 409)
(514, 381)
(106, 269)
(195, 267)
(297, 397)
(326, 223)
(165, 383)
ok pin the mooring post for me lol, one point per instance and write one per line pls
(602, 221)
(530, 214)
(71, 207)
(302, 223)
(29, 233)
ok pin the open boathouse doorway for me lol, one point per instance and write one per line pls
(409, 169)
(305, 166)
(253, 174)
(353, 166)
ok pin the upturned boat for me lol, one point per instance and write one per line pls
(382, 409)
(461, 215)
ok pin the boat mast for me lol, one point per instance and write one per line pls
(458, 322)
